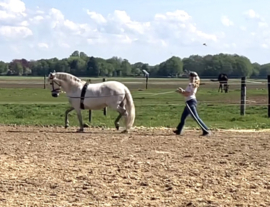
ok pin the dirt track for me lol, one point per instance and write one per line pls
(56, 167)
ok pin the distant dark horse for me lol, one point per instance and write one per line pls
(223, 82)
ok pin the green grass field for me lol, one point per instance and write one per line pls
(24, 101)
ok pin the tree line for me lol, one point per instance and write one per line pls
(82, 65)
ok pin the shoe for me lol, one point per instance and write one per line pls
(176, 132)
(206, 134)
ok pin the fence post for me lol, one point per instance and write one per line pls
(90, 115)
(146, 74)
(44, 86)
(105, 109)
(268, 82)
(146, 81)
(243, 96)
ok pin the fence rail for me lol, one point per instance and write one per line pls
(243, 84)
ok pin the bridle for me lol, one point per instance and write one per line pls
(54, 90)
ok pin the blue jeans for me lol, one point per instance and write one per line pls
(191, 108)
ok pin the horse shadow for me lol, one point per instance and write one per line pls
(52, 132)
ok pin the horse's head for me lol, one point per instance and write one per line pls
(222, 77)
(63, 81)
(55, 84)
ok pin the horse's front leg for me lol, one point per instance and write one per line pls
(79, 115)
(66, 116)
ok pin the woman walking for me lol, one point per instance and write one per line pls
(191, 104)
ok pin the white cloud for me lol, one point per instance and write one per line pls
(252, 14)
(178, 26)
(16, 7)
(37, 19)
(98, 18)
(15, 32)
(13, 20)
(120, 17)
(262, 24)
(24, 23)
(45, 33)
(265, 46)
(43, 45)
(226, 21)
(116, 29)
(177, 16)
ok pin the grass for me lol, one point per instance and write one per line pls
(149, 116)
(156, 107)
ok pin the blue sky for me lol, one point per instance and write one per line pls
(149, 31)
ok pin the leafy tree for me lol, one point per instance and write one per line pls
(256, 69)
(194, 63)
(75, 54)
(171, 67)
(80, 64)
(265, 70)
(92, 67)
(17, 68)
(62, 66)
(3, 67)
(125, 67)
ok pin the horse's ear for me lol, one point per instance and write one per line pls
(51, 76)
(54, 71)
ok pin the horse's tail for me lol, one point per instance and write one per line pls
(130, 107)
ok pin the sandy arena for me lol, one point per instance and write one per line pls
(57, 167)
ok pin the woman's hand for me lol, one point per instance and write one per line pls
(179, 90)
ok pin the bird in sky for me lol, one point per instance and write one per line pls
(204, 44)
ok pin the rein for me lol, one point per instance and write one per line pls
(96, 96)
(53, 89)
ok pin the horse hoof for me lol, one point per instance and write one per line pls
(66, 126)
(117, 125)
(79, 131)
(85, 125)
(124, 132)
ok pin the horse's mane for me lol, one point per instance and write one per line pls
(66, 77)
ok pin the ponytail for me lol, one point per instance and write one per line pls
(196, 81)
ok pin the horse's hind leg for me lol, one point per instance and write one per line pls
(121, 111)
(226, 88)
(116, 122)
(220, 88)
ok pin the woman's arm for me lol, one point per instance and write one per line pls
(186, 93)
(183, 92)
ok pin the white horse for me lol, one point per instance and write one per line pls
(82, 95)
